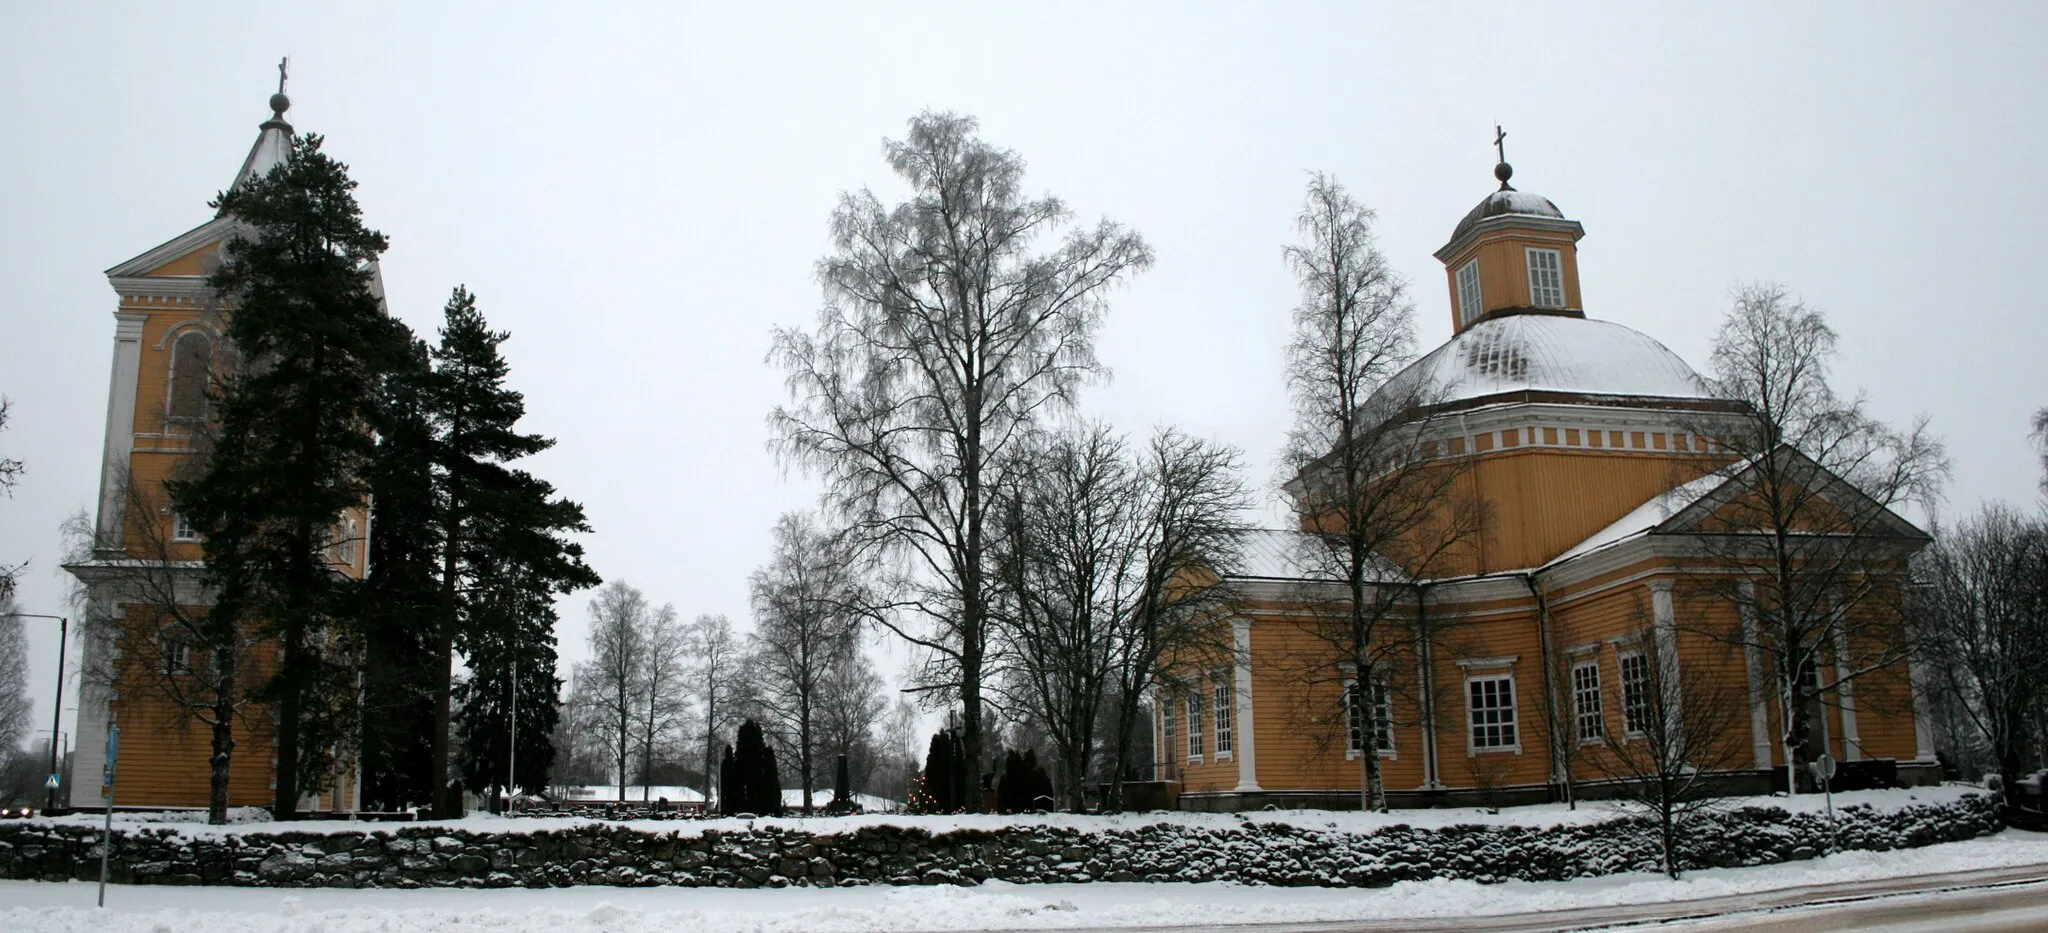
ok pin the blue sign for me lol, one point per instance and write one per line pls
(113, 752)
(51, 782)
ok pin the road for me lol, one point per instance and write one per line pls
(1986, 901)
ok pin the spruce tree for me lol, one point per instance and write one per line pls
(499, 531)
(728, 784)
(295, 442)
(395, 652)
(512, 634)
(759, 783)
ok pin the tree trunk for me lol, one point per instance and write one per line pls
(223, 735)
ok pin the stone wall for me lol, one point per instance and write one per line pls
(774, 855)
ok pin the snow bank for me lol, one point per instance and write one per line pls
(66, 908)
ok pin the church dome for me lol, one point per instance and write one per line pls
(1546, 353)
(1504, 202)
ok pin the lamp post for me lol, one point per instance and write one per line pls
(56, 715)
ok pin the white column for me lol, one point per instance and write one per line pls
(1752, 661)
(1852, 744)
(1665, 619)
(120, 436)
(1923, 730)
(1246, 743)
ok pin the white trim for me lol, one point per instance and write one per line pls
(1472, 305)
(1514, 709)
(1223, 714)
(1665, 621)
(1621, 659)
(1484, 663)
(1246, 744)
(1579, 713)
(120, 431)
(1845, 695)
(1537, 293)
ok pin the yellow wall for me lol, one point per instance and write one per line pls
(1504, 269)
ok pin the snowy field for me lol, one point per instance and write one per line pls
(67, 907)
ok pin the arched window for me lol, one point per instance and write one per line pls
(191, 369)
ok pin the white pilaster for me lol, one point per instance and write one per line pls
(120, 435)
(1923, 729)
(1246, 742)
(1752, 662)
(1852, 743)
(1665, 620)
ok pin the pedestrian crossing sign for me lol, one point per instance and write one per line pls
(51, 782)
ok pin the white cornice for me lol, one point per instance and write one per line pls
(215, 229)
(1472, 234)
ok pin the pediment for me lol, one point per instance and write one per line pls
(187, 254)
(1833, 503)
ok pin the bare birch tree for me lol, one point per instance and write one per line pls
(613, 680)
(1805, 544)
(1385, 506)
(718, 658)
(662, 708)
(14, 702)
(945, 334)
(804, 627)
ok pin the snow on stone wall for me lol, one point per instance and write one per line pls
(771, 854)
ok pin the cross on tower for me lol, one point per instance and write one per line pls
(1500, 138)
(281, 63)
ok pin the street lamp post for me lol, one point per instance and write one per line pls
(56, 715)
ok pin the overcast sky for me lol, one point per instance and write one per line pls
(640, 194)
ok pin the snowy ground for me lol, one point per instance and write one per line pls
(67, 907)
(193, 822)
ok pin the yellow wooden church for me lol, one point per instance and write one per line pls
(142, 670)
(1590, 447)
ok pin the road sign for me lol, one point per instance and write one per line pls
(1826, 767)
(51, 782)
(113, 753)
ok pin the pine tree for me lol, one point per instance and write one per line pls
(294, 446)
(499, 531)
(513, 636)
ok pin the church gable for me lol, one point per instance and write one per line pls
(1827, 504)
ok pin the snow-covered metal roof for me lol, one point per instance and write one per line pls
(1504, 202)
(1284, 554)
(1546, 353)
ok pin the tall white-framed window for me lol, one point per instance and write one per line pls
(1469, 306)
(1220, 682)
(1635, 694)
(1587, 716)
(181, 528)
(1167, 705)
(1546, 278)
(191, 368)
(1195, 722)
(1490, 708)
(1371, 698)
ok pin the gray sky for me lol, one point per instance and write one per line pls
(638, 195)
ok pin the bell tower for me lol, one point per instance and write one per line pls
(1514, 253)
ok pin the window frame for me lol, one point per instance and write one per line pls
(175, 652)
(1583, 712)
(1473, 304)
(1195, 746)
(1167, 707)
(1512, 722)
(182, 531)
(1382, 718)
(1223, 694)
(1537, 292)
(1635, 696)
